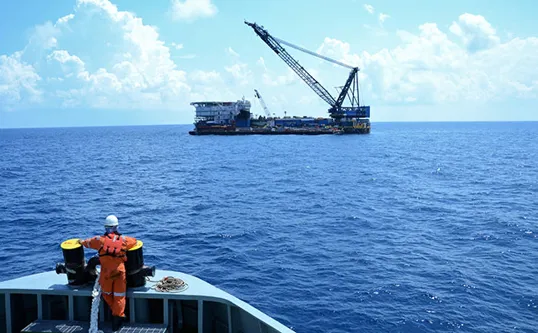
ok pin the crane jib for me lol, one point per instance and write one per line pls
(336, 104)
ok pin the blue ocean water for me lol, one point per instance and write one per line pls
(420, 227)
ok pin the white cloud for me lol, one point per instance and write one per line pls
(269, 78)
(369, 8)
(428, 67)
(383, 18)
(279, 80)
(62, 56)
(339, 50)
(190, 10)
(205, 77)
(43, 37)
(475, 32)
(127, 65)
(231, 52)
(65, 19)
(240, 72)
(177, 46)
(18, 82)
(261, 62)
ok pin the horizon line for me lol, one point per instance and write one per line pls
(184, 124)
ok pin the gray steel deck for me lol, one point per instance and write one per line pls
(50, 283)
(61, 326)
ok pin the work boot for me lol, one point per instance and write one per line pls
(116, 323)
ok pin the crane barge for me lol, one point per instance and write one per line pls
(229, 118)
(352, 119)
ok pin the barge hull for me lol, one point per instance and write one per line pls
(280, 132)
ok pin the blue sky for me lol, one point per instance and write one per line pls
(122, 62)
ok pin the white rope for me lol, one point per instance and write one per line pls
(169, 284)
(94, 317)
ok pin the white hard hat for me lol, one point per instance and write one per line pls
(111, 221)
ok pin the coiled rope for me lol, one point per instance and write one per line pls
(170, 284)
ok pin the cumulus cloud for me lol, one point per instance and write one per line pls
(240, 72)
(339, 50)
(127, 65)
(475, 32)
(190, 10)
(68, 62)
(44, 37)
(428, 67)
(18, 82)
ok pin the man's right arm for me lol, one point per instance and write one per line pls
(92, 243)
(130, 242)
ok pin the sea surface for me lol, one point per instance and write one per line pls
(417, 227)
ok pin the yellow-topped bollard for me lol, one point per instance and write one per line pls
(71, 244)
(74, 262)
(136, 271)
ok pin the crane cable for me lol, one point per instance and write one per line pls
(312, 53)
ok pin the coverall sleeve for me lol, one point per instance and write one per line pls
(130, 242)
(92, 243)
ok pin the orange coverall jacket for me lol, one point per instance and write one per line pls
(113, 277)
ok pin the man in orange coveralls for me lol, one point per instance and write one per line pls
(112, 247)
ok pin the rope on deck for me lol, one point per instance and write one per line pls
(170, 284)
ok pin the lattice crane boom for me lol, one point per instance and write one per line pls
(288, 59)
(336, 110)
